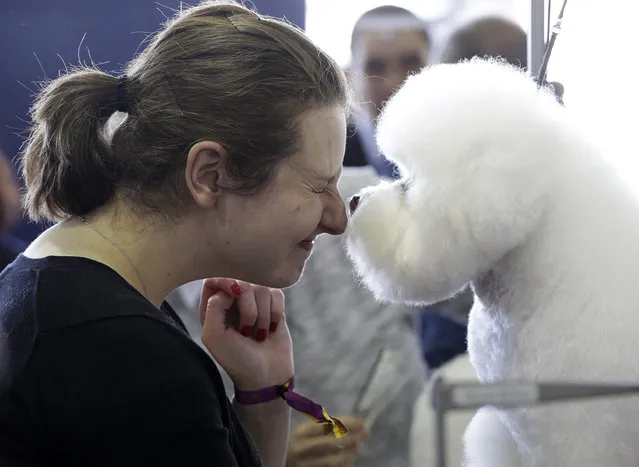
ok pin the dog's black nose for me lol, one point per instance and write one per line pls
(352, 204)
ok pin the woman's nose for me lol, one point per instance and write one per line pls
(335, 220)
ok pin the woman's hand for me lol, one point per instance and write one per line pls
(309, 446)
(244, 328)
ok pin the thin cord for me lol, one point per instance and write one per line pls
(548, 13)
(85, 222)
(541, 78)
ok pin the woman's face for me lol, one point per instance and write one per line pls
(268, 237)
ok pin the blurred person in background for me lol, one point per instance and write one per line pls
(9, 210)
(491, 36)
(387, 44)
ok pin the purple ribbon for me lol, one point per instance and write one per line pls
(297, 402)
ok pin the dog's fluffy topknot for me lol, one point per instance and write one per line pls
(452, 108)
(478, 146)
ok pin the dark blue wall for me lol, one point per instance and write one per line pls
(37, 35)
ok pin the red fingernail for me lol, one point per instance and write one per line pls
(260, 335)
(273, 327)
(247, 331)
(236, 289)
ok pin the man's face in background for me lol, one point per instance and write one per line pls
(382, 60)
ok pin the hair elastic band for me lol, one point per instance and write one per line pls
(297, 402)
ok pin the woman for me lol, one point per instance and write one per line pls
(221, 161)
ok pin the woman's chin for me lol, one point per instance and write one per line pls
(287, 276)
(277, 280)
(283, 275)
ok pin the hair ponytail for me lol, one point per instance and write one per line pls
(67, 162)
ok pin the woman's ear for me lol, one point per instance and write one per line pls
(205, 172)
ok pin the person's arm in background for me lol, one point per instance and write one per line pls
(310, 446)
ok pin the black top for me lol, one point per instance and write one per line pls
(92, 374)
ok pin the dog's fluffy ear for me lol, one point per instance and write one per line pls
(479, 143)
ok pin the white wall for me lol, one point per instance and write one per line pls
(595, 58)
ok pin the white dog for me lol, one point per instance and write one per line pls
(501, 191)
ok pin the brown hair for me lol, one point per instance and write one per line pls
(217, 71)
(489, 36)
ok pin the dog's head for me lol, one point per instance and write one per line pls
(477, 144)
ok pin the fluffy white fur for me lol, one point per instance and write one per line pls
(501, 191)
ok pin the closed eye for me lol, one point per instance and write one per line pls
(328, 184)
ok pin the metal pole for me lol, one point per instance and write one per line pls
(536, 35)
(440, 399)
(510, 394)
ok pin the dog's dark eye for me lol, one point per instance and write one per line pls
(404, 185)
